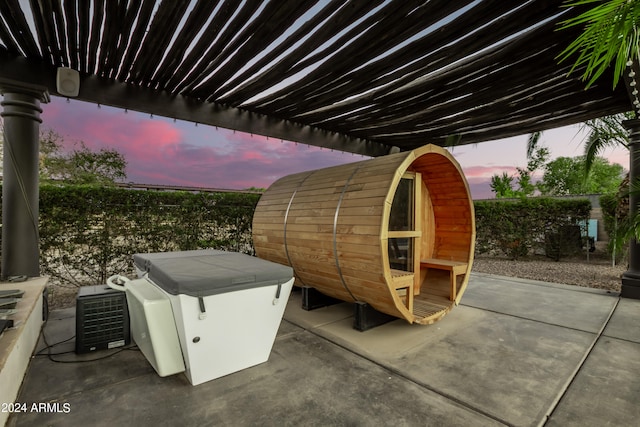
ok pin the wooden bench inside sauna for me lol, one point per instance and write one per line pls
(396, 232)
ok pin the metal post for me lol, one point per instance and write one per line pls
(20, 239)
(631, 277)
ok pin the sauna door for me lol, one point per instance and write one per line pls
(405, 231)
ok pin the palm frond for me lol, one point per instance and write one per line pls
(610, 36)
(604, 132)
(532, 143)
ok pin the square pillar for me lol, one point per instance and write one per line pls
(631, 277)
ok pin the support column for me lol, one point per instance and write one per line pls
(631, 277)
(20, 238)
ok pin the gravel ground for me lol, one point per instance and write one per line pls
(597, 272)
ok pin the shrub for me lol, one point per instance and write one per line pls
(516, 227)
(88, 233)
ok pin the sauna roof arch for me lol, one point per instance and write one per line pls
(363, 76)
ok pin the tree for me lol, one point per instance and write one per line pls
(565, 175)
(610, 36)
(603, 132)
(503, 185)
(102, 167)
(81, 165)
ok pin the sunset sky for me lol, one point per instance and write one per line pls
(161, 151)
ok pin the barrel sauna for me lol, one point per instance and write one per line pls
(396, 232)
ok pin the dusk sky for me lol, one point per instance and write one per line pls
(161, 151)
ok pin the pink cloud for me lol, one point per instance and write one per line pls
(160, 151)
(253, 155)
(483, 172)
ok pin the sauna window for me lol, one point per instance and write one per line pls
(401, 217)
(401, 239)
(401, 254)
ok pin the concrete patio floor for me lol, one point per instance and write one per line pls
(514, 352)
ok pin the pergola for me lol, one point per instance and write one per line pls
(364, 76)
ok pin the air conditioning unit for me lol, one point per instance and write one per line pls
(102, 319)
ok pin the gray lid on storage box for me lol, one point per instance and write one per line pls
(208, 272)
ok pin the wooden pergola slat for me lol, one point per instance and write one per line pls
(395, 79)
(237, 20)
(248, 82)
(195, 21)
(83, 35)
(94, 37)
(202, 46)
(428, 64)
(163, 24)
(144, 17)
(264, 29)
(11, 12)
(398, 74)
(70, 8)
(351, 43)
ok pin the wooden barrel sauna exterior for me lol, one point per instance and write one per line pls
(396, 232)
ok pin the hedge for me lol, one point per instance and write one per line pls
(517, 228)
(88, 233)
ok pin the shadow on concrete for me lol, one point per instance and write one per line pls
(515, 352)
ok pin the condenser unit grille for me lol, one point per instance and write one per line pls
(102, 319)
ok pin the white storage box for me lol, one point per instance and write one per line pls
(227, 306)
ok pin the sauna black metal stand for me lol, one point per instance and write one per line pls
(312, 299)
(367, 317)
